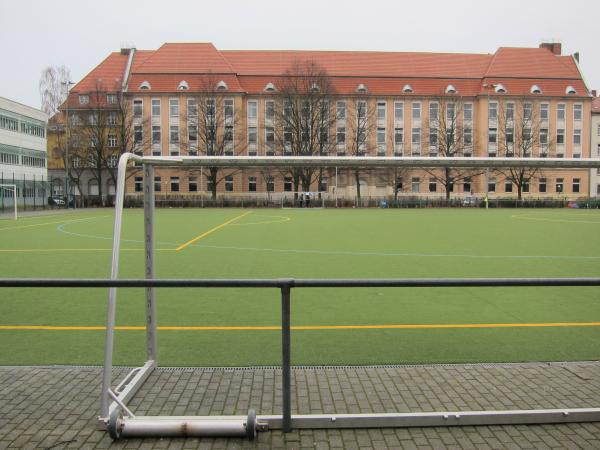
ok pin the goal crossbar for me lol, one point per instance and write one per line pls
(114, 400)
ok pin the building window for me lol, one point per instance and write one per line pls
(508, 186)
(416, 137)
(155, 107)
(398, 139)
(544, 111)
(432, 185)
(381, 140)
(112, 140)
(84, 99)
(229, 183)
(510, 111)
(576, 137)
(398, 111)
(542, 185)
(525, 186)
(270, 184)
(139, 184)
(467, 184)
(560, 111)
(576, 183)
(341, 111)
(493, 111)
(491, 185)
(433, 111)
(323, 184)
(157, 184)
(527, 111)
(174, 184)
(209, 184)
(416, 111)
(468, 138)
(468, 111)
(341, 136)
(112, 118)
(228, 111)
(173, 107)
(577, 112)
(415, 185)
(381, 107)
(251, 184)
(192, 184)
(138, 135)
(270, 140)
(138, 108)
(560, 135)
(174, 135)
(492, 135)
(252, 110)
(559, 185)
(156, 134)
(287, 184)
(252, 136)
(193, 134)
(270, 110)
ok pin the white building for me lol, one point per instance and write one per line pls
(23, 154)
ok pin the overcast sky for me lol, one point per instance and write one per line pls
(79, 34)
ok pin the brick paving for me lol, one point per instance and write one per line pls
(56, 407)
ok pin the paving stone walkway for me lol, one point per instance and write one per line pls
(56, 407)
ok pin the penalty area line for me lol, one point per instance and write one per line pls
(212, 230)
(306, 327)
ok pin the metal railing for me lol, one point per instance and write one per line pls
(235, 425)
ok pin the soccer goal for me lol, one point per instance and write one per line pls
(305, 199)
(8, 200)
(120, 421)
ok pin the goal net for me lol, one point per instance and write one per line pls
(8, 201)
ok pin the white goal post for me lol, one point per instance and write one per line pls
(10, 188)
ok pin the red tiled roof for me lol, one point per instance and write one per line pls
(184, 58)
(376, 85)
(522, 86)
(531, 63)
(170, 82)
(596, 105)
(372, 64)
(110, 72)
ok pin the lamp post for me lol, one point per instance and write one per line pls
(67, 84)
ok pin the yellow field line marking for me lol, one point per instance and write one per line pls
(305, 327)
(544, 219)
(212, 230)
(46, 250)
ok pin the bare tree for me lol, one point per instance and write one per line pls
(302, 119)
(361, 125)
(522, 131)
(450, 135)
(53, 88)
(211, 120)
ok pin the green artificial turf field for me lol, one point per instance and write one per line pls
(308, 243)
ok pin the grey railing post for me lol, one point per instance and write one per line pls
(286, 358)
(151, 349)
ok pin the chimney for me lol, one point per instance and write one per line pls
(594, 93)
(554, 47)
(576, 56)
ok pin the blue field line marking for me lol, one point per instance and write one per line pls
(416, 255)
(328, 252)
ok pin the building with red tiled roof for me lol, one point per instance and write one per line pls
(408, 99)
(595, 144)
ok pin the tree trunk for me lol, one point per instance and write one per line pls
(519, 191)
(357, 181)
(213, 178)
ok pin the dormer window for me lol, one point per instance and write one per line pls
(361, 89)
(315, 88)
(222, 86)
(407, 88)
(84, 99)
(535, 89)
(269, 87)
(450, 89)
(145, 86)
(500, 89)
(183, 86)
(570, 90)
